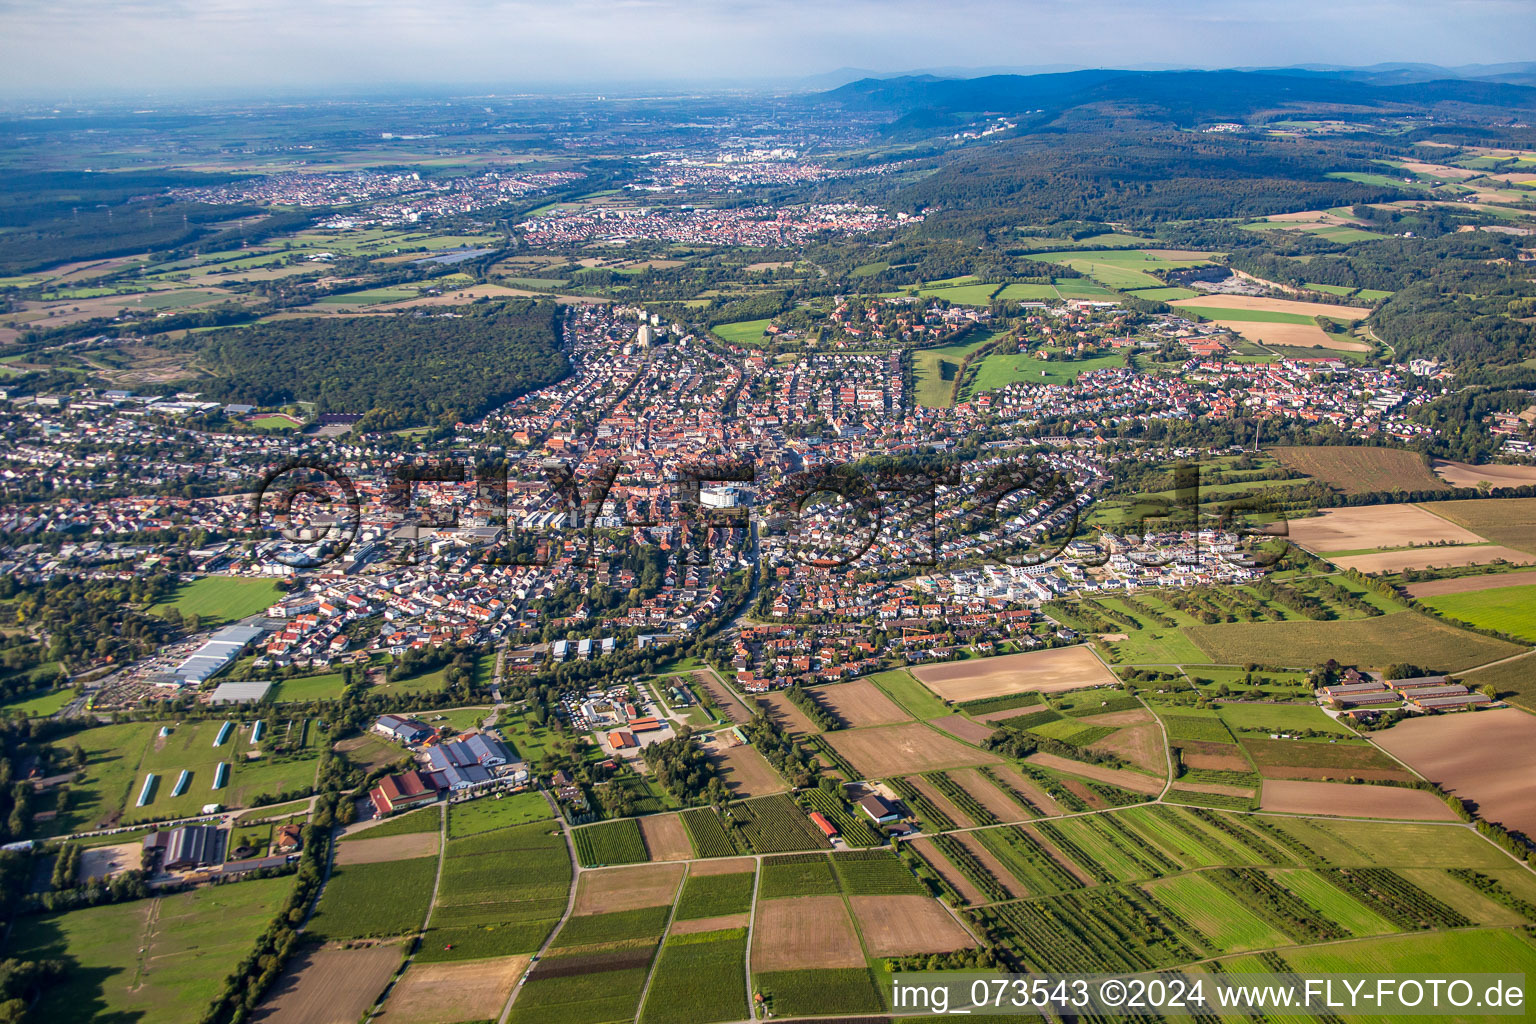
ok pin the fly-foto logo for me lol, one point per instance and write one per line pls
(309, 514)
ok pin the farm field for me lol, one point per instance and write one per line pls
(627, 888)
(1507, 521)
(1369, 643)
(162, 959)
(1260, 304)
(1449, 556)
(1472, 584)
(1360, 470)
(1509, 610)
(1061, 668)
(1496, 951)
(1295, 797)
(746, 772)
(804, 932)
(377, 899)
(485, 814)
(1273, 718)
(1133, 781)
(501, 893)
(665, 837)
(699, 978)
(1462, 474)
(328, 983)
(899, 749)
(1487, 757)
(469, 990)
(613, 842)
(370, 849)
(859, 703)
(1376, 527)
(905, 925)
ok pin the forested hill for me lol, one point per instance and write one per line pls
(433, 366)
(1180, 97)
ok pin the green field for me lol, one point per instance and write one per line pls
(1509, 610)
(41, 705)
(369, 900)
(274, 423)
(1247, 316)
(1491, 951)
(161, 960)
(744, 332)
(1370, 643)
(1224, 923)
(960, 294)
(699, 978)
(501, 892)
(715, 896)
(487, 813)
(1028, 293)
(1280, 718)
(613, 842)
(119, 757)
(912, 695)
(934, 371)
(221, 598)
(1000, 369)
(306, 688)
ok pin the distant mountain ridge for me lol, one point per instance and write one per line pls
(1183, 97)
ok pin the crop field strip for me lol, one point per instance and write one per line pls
(501, 892)
(611, 842)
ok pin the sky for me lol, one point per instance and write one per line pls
(77, 48)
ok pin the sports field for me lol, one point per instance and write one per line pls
(221, 598)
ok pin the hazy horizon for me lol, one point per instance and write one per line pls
(93, 48)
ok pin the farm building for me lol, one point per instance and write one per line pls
(618, 739)
(1418, 682)
(819, 820)
(190, 846)
(460, 777)
(876, 807)
(403, 791)
(402, 730)
(1451, 701)
(478, 748)
(1370, 699)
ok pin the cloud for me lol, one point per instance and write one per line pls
(78, 46)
